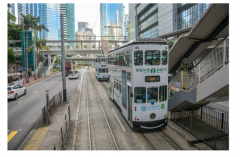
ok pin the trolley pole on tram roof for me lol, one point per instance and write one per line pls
(63, 61)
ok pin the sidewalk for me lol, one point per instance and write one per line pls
(31, 78)
(43, 136)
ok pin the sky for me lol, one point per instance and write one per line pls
(92, 16)
(88, 12)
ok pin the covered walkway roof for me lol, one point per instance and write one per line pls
(214, 24)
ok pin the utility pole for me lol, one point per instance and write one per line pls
(63, 61)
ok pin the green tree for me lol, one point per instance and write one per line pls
(57, 60)
(40, 45)
(10, 16)
(11, 55)
(29, 23)
(170, 44)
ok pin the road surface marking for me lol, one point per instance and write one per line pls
(8, 130)
(45, 85)
(119, 121)
(10, 136)
(20, 101)
(20, 129)
(35, 92)
(37, 139)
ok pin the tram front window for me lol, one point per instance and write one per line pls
(152, 94)
(140, 94)
(105, 70)
(164, 57)
(152, 57)
(100, 70)
(138, 58)
(162, 93)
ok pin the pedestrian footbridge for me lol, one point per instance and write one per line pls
(57, 51)
(207, 46)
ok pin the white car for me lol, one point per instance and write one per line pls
(15, 90)
(73, 74)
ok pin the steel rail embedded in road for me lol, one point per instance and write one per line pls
(148, 141)
(105, 115)
(89, 130)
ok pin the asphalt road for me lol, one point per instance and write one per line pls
(24, 112)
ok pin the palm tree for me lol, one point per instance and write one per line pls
(29, 22)
(10, 16)
(40, 44)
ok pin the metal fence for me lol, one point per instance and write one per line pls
(59, 144)
(48, 108)
(215, 60)
(214, 117)
(205, 131)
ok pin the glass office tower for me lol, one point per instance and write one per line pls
(111, 20)
(70, 22)
(49, 14)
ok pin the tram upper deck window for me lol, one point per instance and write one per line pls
(164, 57)
(138, 58)
(97, 60)
(152, 57)
(103, 59)
(140, 94)
(115, 60)
(125, 60)
(162, 93)
(152, 94)
(130, 60)
(120, 61)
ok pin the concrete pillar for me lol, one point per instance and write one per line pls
(49, 60)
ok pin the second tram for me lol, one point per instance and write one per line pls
(101, 68)
(138, 82)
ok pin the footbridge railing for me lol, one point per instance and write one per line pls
(215, 60)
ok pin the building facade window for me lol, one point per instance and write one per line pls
(189, 17)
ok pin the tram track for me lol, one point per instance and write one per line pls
(152, 144)
(101, 106)
(169, 140)
(148, 141)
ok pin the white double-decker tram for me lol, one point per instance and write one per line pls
(138, 82)
(101, 68)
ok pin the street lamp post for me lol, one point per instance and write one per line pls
(63, 61)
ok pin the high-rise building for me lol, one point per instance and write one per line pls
(148, 20)
(70, 22)
(82, 26)
(49, 14)
(111, 20)
(63, 11)
(12, 9)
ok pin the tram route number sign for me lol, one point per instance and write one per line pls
(152, 71)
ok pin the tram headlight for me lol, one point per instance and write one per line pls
(153, 115)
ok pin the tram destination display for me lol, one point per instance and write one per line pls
(152, 78)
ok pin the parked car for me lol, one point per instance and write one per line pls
(15, 90)
(74, 74)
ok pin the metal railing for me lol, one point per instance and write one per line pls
(48, 108)
(214, 117)
(59, 144)
(215, 60)
(203, 130)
